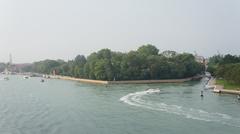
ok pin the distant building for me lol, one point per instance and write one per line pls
(200, 59)
(6, 71)
(54, 72)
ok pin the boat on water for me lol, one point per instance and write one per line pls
(6, 78)
(25, 77)
(217, 91)
(150, 90)
(210, 87)
(46, 76)
(42, 80)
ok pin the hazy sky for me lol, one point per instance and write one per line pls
(38, 29)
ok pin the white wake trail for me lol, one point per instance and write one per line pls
(135, 99)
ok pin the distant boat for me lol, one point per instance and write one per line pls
(150, 91)
(46, 76)
(6, 78)
(25, 77)
(217, 91)
(209, 87)
(42, 80)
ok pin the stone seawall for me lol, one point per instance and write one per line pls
(150, 81)
(123, 82)
(80, 80)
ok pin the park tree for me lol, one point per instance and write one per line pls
(147, 50)
(145, 63)
(169, 54)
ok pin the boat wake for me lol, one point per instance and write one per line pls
(136, 99)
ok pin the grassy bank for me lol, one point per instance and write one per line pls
(228, 85)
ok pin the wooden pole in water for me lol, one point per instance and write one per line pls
(201, 93)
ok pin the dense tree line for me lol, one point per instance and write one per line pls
(226, 67)
(2, 67)
(144, 63)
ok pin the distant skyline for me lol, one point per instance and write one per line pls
(61, 29)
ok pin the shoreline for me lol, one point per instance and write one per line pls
(78, 79)
(124, 82)
(220, 88)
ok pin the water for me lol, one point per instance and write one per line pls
(65, 107)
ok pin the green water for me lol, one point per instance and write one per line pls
(65, 107)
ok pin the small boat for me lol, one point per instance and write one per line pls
(42, 80)
(217, 91)
(209, 87)
(149, 91)
(46, 76)
(6, 78)
(25, 77)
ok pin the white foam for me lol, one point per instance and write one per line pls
(135, 99)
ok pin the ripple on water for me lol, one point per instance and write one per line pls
(136, 99)
(26, 114)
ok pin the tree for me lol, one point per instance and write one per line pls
(215, 60)
(2, 67)
(132, 66)
(90, 65)
(169, 54)
(78, 66)
(104, 54)
(80, 60)
(143, 64)
(103, 70)
(147, 50)
(230, 59)
(153, 63)
(116, 60)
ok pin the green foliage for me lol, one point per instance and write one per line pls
(78, 66)
(227, 85)
(228, 59)
(169, 54)
(26, 68)
(215, 60)
(230, 72)
(212, 69)
(46, 66)
(148, 50)
(2, 67)
(226, 67)
(143, 64)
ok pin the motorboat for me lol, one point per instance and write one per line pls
(25, 77)
(217, 91)
(209, 87)
(6, 78)
(149, 91)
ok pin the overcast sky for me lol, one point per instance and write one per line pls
(38, 29)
